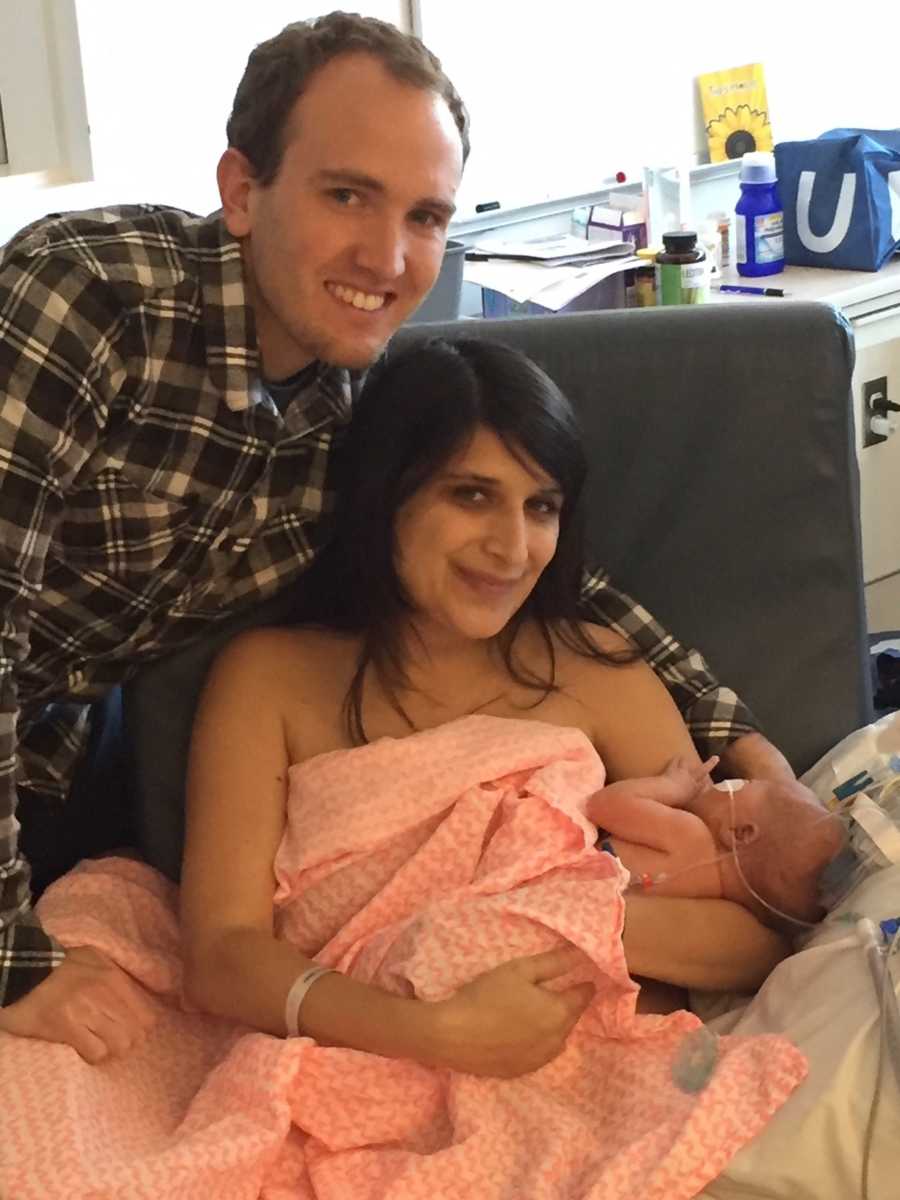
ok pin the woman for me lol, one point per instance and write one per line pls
(399, 797)
(451, 591)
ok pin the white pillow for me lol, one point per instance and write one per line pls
(823, 998)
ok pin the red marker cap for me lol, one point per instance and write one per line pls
(621, 176)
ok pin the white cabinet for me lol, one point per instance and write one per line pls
(877, 367)
(873, 308)
(871, 302)
(877, 359)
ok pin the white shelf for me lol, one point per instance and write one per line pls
(702, 172)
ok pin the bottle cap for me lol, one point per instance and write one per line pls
(758, 166)
(647, 253)
(680, 241)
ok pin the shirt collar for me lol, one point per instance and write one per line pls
(232, 354)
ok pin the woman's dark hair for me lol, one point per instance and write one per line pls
(418, 408)
(279, 70)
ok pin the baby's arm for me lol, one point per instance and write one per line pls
(648, 812)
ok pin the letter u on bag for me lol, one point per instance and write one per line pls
(841, 196)
(824, 243)
(894, 187)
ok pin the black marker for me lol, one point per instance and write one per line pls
(490, 206)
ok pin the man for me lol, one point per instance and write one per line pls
(171, 391)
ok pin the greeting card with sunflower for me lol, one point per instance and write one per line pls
(735, 112)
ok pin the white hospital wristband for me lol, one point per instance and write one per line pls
(297, 995)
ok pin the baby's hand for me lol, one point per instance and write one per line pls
(685, 778)
(679, 768)
(674, 787)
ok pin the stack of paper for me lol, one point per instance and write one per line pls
(550, 286)
(555, 251)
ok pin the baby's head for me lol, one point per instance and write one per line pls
(783, 839)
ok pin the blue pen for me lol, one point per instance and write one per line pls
(741, 289)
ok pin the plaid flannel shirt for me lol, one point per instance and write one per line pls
(149, 486)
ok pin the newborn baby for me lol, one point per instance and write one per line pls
(678, 833)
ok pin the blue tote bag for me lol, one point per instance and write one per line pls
(841, 198)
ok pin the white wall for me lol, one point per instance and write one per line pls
(549, 85)
(564, 93)
(159, 79)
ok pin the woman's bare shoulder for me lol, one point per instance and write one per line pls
(599, 669)
(634, 722)
(275, 652)
(612, 651)
(297, 676)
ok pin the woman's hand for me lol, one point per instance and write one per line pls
(89, 1003)
(505, 1022)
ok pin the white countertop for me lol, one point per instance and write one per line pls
(856, 293)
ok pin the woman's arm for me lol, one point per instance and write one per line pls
(714, 945)
(503, 1023)
(237, 793)
(703, 943)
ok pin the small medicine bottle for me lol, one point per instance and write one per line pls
(682, 272)
(645, 279)
(710, 241)
(723, 224)
(759, 218)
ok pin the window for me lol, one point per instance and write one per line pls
(43, 127)
(4, 157)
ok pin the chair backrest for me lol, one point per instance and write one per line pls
(723, 495)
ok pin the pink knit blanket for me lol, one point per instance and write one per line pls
(413, 864)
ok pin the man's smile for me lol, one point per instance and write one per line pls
(355, 298)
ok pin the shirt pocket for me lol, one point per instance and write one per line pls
(118, 526)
